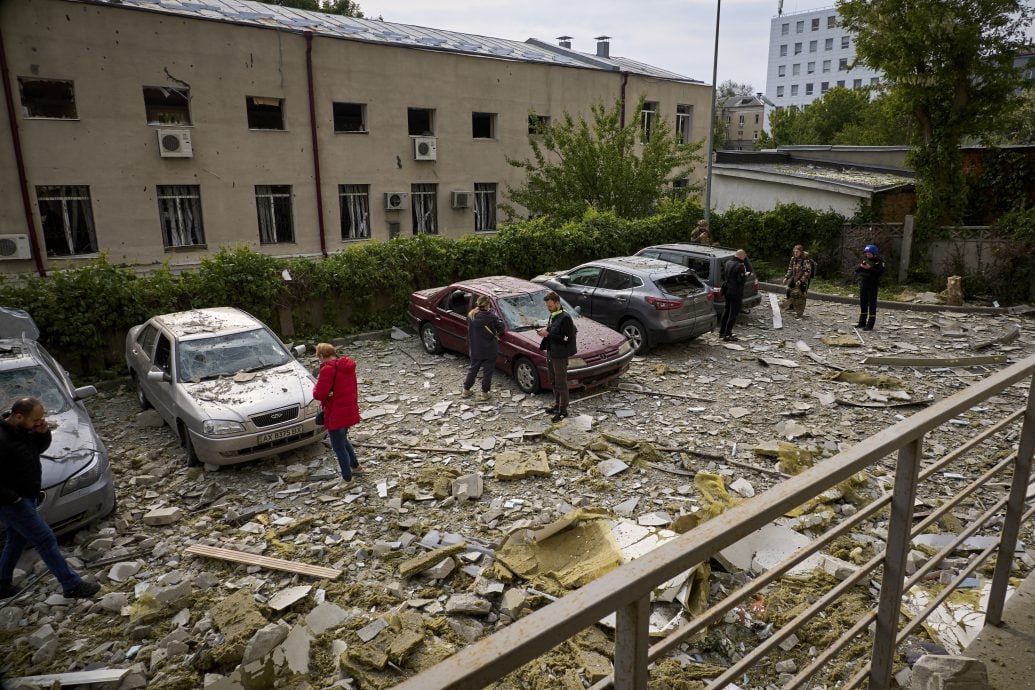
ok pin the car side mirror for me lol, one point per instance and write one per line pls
(157, 374)
(299, 350)
(578, 310)
(84, 392)
(564, 280)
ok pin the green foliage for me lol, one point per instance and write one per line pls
(1002, 185)
(577, 165)
(842, 116)
(347, 8)
(1019, 125)
(239, 278)
(770, 235)
(1018, 224)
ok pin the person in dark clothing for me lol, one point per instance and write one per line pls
(24, 435)
(559, 341)
(868, 273)
(734, 278)
(484, 329)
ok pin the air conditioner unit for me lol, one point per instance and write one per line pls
(396, 201)
(15, 247)
(425, 149)
(462, 199)
(175, 143)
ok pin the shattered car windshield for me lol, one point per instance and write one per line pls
(33, 382)
(225, 355)
(527, 310)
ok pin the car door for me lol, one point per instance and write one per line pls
(610, 300)
(142, 350)
(577, 287)
(452, 325)
(162, 393)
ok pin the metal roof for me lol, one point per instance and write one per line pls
(256, 14)
(838, 175)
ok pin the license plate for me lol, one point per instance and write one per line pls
(282, 433)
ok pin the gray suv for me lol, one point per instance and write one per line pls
(646, 300)
(708, 263)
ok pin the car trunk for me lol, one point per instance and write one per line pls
(687, 288)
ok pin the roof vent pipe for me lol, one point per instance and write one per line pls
(565, 42)
(603, 46)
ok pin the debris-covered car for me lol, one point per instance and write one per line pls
(708, 263)
(440, 316)
(225, 383)
(647, 300)
(77, 483)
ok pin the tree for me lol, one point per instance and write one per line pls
(842, 116)
(950, 62)
(727, 90)
(347, 8)
(577, 165)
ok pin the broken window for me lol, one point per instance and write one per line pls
(483, 125)
(650, 116)
(537, 124)
(273, 203)
(684, 121)
(179, 210)
(166, 105)
(350, 117)
(265, 113)
(67, 219)
(484, 206)
(421, 122)
(355, 211)
(48, 98)
(423, 198)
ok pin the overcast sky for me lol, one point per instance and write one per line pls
(676, 35)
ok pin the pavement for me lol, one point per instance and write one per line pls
(1008, 651)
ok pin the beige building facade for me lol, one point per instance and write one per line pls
(159, 135)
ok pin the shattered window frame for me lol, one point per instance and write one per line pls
(47, 99)
(167, 105)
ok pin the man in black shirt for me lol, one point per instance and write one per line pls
(560, 343)
(734, 277)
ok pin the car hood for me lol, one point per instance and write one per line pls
(591, 336)
(72, 445)
(244, 394)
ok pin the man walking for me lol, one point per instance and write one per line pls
(797, 278)
(868, 273)
(24, 434)
(559, 341)
(734, 277)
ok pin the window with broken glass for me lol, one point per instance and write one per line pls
(166, 105)
(179, 210)
(273, 203)
(484, 206)
(264, 113)
(47, 98)
(355, 211)
(424, 203)
(67, 219)
(684, 121)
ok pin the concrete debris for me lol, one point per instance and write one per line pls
(162, 516)
(326, 616)
(938, 672)
(512, 465)
(288, 596)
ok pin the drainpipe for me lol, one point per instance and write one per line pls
(19, 161)
(625, 80)
(316, 146)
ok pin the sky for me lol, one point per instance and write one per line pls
(674, 35)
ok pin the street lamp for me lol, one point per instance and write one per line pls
(711, 121)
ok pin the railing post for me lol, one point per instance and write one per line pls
(1014, 510)
(632, 641)
(899, 526)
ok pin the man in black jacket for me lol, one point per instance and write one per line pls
(484, 329)
(868, 273)
(734, 277)
(559, 341)
(24, 434)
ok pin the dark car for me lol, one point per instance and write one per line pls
(708, 263)
(440, 316)
(77, 483)
(647, 300)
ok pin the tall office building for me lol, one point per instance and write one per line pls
(809, 54)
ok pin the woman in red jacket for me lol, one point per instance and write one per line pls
(337, 389)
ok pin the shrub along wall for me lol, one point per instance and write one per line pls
(83, 314)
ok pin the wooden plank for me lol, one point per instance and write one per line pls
(264, 561)
(101, 675)
(935, 361)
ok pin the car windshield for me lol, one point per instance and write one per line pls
(527, 310)
(225, 355)
(36, 382)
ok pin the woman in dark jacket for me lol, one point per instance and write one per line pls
(484, 329)
(338, 390)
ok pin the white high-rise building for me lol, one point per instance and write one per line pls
(809, 54)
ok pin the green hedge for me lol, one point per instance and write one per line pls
(83, 314)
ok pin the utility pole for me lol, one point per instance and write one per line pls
(711, 122)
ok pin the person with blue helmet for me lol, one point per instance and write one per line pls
(868, 273)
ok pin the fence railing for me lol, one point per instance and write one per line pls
(626, 590)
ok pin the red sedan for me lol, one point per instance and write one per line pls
(440, 316)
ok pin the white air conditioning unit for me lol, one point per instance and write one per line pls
(396, 201)
(175, 143)
(15, 247)
(462, 199)
(425, 149)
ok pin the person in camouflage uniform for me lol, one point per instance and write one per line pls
(799, 273)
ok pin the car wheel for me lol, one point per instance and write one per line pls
(526, 375)
(188, 448)
(142, 400)
(429, 339)
(637, 335)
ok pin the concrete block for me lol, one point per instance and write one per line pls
(944, 672)
(326, 616)
(162, 516)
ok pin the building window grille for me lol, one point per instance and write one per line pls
(273, 204)
(424, 202)
(179, 210)
(484, 206)
(355, 211)
(67, 219)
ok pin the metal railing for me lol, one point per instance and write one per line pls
(627, 589)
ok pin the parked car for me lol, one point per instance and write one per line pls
(708, 263)
(647, 300)
(225, 383)
(440, 316)
(77, 484)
